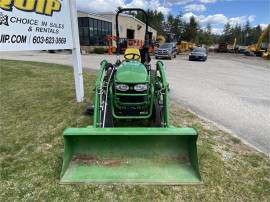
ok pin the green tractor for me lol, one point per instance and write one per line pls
(131, 140)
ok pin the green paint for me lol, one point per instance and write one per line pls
(131, 72)
(130, 131)
(165, 87)
(162, 155)
(116, 103)
(146, 155)
(99, 80)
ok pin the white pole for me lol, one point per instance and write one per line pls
(76, 53)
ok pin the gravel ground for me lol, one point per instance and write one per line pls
(233, 91)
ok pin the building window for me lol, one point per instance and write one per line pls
(93, 32)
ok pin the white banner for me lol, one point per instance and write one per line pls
(35, 25)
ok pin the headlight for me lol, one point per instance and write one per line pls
(140, 87)
(122, 87)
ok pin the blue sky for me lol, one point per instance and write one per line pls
(216, 12)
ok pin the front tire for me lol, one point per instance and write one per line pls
(158, 114)
(109, 116)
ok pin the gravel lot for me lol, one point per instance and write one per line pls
(233, 91)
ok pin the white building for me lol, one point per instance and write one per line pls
(94, 28)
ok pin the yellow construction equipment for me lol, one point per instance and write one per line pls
(266, 54)
(234, 43)
(257, 48)
(242, 49)
(161, 39)
(191, 46)
(183, 47)
(252, 48)
(232, 47)
(222, 48)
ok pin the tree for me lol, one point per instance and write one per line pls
(226, 33)
(174, 28)
(258, 31)
(191, 30)
(179, 30)
(177, 27)
(208, 39)
(155, 20)
(237, 33)
(254, 35)
(247, 33)
(209, 29)
(244, 34)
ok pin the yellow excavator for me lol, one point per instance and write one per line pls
(191, 45)
(257, 48)
(185, 46)
(232, 47)
(266, 54)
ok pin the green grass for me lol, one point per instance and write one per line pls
(37, 103)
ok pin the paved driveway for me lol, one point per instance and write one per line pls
(230, 90)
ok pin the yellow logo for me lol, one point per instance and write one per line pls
(44, 7)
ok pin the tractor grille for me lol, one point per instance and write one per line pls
(132, 99)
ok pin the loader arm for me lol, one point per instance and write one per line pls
(234, 43)
(165, 92)
(131, 140)
(264, 34)
(98, 89)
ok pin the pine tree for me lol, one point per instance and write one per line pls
(209, 28)
(247, 33)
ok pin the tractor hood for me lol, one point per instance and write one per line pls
(131, 72)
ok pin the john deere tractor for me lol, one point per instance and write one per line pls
(131, 140)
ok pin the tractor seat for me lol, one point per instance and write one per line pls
(132, 54)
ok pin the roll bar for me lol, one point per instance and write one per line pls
(146, 37)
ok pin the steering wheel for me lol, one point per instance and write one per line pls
(133, 56)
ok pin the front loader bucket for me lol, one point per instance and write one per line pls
(130, 155)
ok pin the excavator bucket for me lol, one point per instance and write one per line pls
(130, 155)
